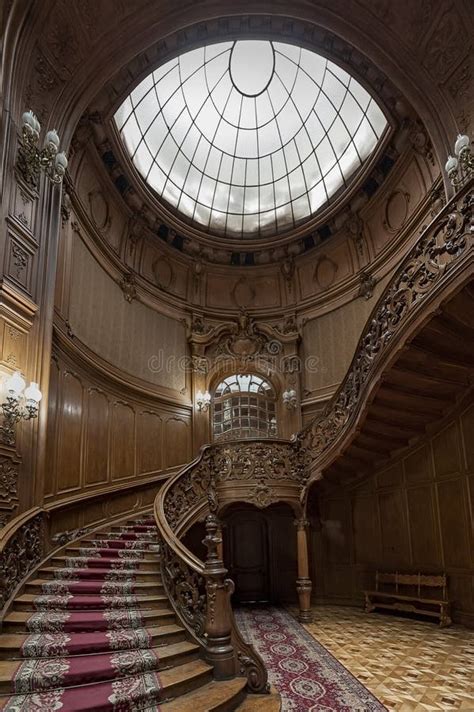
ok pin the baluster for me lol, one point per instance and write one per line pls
(303, 582)
(219, 649)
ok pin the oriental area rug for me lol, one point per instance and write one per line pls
(306, 675)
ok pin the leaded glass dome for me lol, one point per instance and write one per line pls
(249, 138)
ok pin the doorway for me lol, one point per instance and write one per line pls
(260, 553)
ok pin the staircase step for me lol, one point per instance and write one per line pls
(11, 644)
(65, 621)
(29, 602)
(136, 691)
(99, 574)
(91, 667)
(261, 703)
(43, 586)
(216, 696)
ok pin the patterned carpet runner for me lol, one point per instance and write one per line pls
(88, 648)
(306, 675)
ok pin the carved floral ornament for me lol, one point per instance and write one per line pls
(259, 464)
(243, 340)
(20, 555)
(434, 254)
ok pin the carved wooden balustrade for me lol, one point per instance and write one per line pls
(256, 471)
(262, 472)
(443, 251)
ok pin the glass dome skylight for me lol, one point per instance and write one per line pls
(250, 137)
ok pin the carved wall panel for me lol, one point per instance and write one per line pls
(20, 263)
(392, 210)
(123, 440)
(97, 438)
(13, 343)
(131, 336)
(169, 275)
(244, 290)
(69, 435)
(100, 203)
(97, 441)
(414, 515)
(149, 442)
(177, 449)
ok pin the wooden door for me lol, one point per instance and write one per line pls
(246, 555)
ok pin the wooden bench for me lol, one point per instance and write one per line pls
(411, 593)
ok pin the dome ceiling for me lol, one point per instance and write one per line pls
(251, 137)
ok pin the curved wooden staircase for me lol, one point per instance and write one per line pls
(116, 621)
(92, 629)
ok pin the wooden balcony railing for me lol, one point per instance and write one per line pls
(200, 590)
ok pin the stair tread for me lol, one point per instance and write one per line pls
(23, 616)
(137, 584)
(14, 641)
(31, 597)
(9, 667)
(168, 679)
(261, 703)
(142, 572)
(206, 698)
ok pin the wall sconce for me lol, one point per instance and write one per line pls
(31, 159)
(18, 403)
(460, 167)
(289, 399)
(203, 401)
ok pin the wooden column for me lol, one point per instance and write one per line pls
(303, 582)
(219, 650)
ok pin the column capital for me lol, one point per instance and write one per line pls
(301, 524)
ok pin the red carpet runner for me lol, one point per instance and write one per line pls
(88, 627)
(306, 675)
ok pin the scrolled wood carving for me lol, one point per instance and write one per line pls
(434, 254)
(20, 555)
(186, 589)
(258, 462)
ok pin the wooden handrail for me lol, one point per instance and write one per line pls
(442, 251)
(200, 591)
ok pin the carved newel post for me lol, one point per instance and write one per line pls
(219, 589)
(303, 582)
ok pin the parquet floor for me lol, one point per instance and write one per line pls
(408, 665)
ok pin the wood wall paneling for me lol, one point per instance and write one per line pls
(70, 422)
(123, 441)
(149, 442)
(414, 514)
(97, 438)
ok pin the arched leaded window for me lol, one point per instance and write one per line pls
(244, 407)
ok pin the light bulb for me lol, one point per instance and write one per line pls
(52, 140)
(33, 392)
(462, 142)
(451, 164)
(28, 119)
(61, 162)
(15, 385)
(199, 397)
(207, 397)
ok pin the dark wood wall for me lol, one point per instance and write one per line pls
(414, 514)
(259, 551)
(102, 436)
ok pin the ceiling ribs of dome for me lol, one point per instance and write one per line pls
(150, 212)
